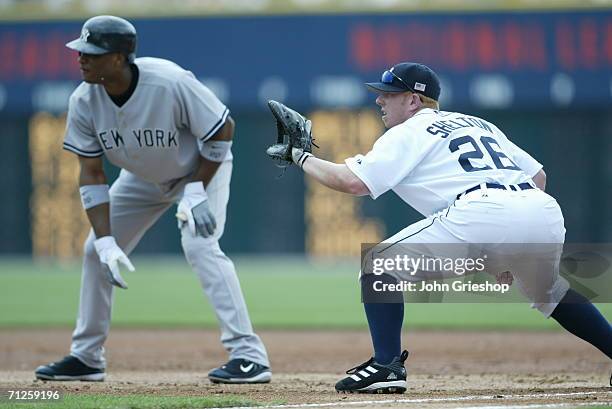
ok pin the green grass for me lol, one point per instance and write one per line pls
(152, 402)
(135, 401)
(598, 407)
(281, 293)
(594, 407)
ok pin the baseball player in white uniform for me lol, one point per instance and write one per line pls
(473, 185)
(171, 137)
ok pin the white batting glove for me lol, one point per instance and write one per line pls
(299, 156)
(194, 210)
(111, 255)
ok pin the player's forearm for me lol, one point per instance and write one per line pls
(335, 176)
(205, 172)
(99, 218)
(92, 175)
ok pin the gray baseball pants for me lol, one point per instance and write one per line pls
(135, 206)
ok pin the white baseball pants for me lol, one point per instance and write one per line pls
(524, 230)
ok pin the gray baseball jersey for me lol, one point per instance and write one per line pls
(158, 133)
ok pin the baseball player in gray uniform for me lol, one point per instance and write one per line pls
(171, 137)
(473, 187)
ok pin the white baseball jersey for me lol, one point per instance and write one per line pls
(158, 133)
(435, 155)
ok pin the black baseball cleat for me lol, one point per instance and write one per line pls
(240, 371)
(372, 377)
(69, 369)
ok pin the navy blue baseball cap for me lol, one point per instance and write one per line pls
(409, 76)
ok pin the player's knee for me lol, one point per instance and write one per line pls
(196, 246)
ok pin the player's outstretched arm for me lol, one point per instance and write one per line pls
(333, 175)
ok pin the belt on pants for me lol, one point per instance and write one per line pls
(520, 186)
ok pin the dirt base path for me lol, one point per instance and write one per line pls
(446, 369)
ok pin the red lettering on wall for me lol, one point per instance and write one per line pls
(34, 56)
(457, 45)
(30, 55)
(52, 59)
(588, 43)
(512, 44)
(362, 46)
(390, 43)
(484, 40)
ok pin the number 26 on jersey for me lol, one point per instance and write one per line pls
(489, 144)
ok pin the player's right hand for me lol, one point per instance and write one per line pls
(112, 255)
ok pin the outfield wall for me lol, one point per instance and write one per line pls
(543, 77)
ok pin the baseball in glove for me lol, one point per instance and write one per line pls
(293, 131)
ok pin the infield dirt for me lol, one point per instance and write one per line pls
(446, 369)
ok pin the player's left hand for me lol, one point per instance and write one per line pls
(194, 210)
(294, 133)
(299, 156)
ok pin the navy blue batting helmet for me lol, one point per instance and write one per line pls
(106, 34)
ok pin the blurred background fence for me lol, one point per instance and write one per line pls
(543, 76)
